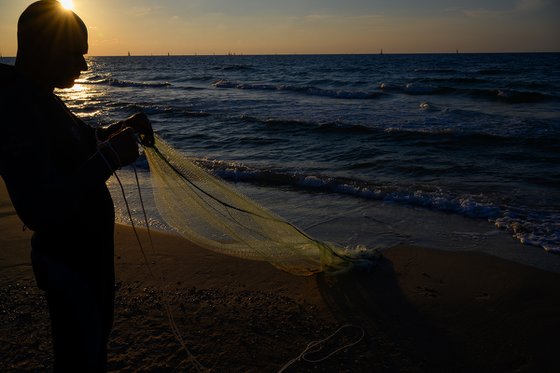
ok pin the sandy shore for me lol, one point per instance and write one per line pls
(421, 310)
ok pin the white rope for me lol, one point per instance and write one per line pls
(173, 325)
(316, 346)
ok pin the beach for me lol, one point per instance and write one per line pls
(420, 310)
(296, 187)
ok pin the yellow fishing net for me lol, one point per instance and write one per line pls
(212, 214)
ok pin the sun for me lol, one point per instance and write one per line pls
(67, 4)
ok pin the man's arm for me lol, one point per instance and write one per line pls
(138, 122)
(45, 194)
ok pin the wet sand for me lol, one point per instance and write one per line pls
(421, 310)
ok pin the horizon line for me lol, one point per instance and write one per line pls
(230, 54)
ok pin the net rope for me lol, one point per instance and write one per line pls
(213, 215)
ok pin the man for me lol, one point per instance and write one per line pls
(55, 168)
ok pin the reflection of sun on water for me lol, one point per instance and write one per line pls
(67, 4)
(82, 99)
(75, 92)
(79, 92)
(77, 88)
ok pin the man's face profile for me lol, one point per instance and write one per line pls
(66, 62)
(52, 42)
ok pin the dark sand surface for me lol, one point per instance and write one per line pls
(422, 310)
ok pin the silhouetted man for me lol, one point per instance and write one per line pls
(55, 168)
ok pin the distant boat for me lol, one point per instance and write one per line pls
(381, 51)
(128, 54)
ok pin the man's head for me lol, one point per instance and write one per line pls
(51, 44)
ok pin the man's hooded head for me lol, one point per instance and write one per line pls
(53, 39)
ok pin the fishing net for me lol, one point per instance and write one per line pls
(213, 215)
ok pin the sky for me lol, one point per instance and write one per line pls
(144, 27)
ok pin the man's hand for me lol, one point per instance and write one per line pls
(142, 126)
(121, 148)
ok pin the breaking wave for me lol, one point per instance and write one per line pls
(309, 90)
(505, 95)
(535, 228)
(124, 83)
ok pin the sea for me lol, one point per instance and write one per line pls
(449, 151)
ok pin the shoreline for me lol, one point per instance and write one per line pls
(421, 309)
(349, 222)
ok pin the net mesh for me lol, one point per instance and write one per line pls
(213, 215)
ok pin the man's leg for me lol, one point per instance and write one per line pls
(80, 327)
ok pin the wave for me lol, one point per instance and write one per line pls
(234, 67)
(127, 83)
(436, 200)
(504, 70)
(437, 71)
(536, 228)
(190, 88)
(532, 229)
(504, 95)
(446, 136)
(124, 83)
(492, 71)
(309, 90)
(508, 70)
(416, 89)
(197, 78)
(161, 109)
(511, 96)
(458, 138)
(303, 125)
(458, 79)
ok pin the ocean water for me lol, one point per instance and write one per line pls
(447, 150)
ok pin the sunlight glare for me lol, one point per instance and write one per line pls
(77, 87)
(67, 4)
